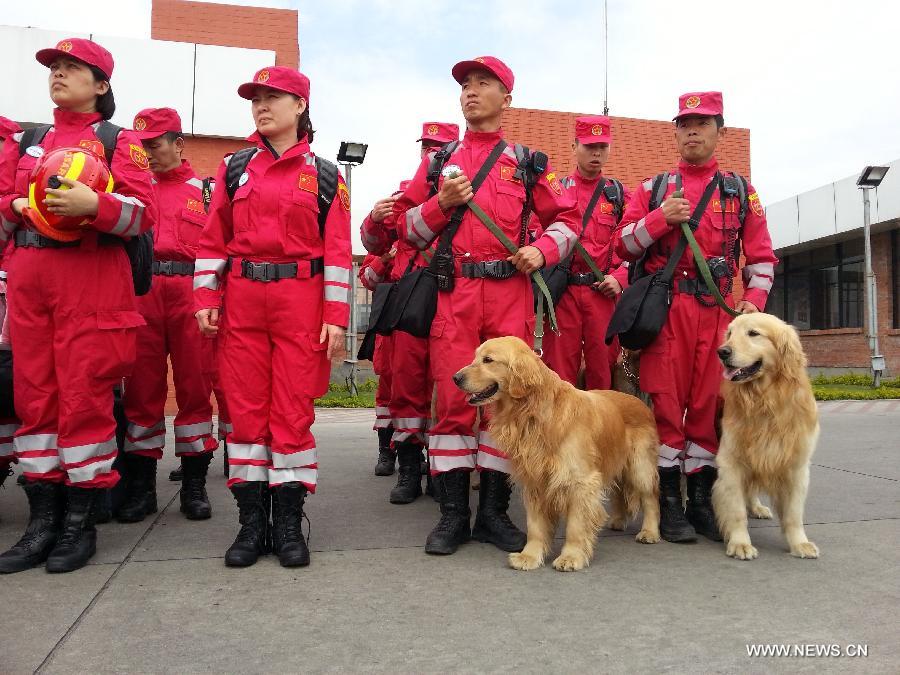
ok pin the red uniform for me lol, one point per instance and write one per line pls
(477, 308)
(271, 362)
(372, 272)
(583, 313)
(75, 313)
(680, 369)
(171, 330)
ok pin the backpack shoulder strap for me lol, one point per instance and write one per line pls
(108, 135)
(236, 164)
(739, 184)
(206, 191)
(658, 190)
(328, 185)
(32, 136)
(438, 160)
(618, 198)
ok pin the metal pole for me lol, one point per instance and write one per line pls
(871, 294)
(351, 333)
(606, 57)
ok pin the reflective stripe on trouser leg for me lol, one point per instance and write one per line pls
(382, 417)
(194, 439)
(7, 448)
(38, 456)
(299, 467)
(447, 452)
(409, 429)
(668, 456)
(84, 463)
(489, 457)
(247, 462)
(138, 437)
(696, 457)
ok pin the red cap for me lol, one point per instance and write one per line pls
(8, 127)
(439, 132)
(593, 129)
(489, 63)
(153, 122)
(700, 103)
(280, 78)
(77, 48)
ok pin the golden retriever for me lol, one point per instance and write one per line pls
(566, 448)
(769, 431)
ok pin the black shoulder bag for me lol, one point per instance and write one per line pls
(642, 310)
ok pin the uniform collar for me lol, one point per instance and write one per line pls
(586, 181)
(475, 138)
(301, 147)
(707, 169)
(179, 174)
(68, 119)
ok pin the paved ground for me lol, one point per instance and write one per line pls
(158, 598)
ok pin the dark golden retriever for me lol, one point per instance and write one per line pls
(567, 448)
(770, 426)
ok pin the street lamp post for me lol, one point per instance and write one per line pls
(349, 155)
(869, 179)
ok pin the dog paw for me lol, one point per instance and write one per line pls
(741, 551)
(617, 524)
(647, 537)
(761, 512)
(569, 562)
(806, 549)
(524, 561)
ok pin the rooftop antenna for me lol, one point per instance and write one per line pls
(606, 57)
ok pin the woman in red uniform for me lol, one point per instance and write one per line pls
(284, 275)
(72, 308)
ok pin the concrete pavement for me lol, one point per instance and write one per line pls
(158, 598)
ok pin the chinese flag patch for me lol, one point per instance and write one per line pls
(309, 183)
(717, 206)
(94, 146)
(509, 173)
(195, 205)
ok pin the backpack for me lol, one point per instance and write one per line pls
(734, 185)
(327, 174)
(138, 248)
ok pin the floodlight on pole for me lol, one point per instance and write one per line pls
(349, 155)
(870, 179)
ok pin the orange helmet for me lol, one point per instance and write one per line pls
(78, 164)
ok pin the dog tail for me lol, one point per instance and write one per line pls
(641, 475)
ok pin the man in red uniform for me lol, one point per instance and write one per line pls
(490, 296)
(584, 311)
(374, 270)
(171, 332)
(680, 369)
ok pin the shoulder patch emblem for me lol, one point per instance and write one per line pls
(554, 183)
(344, 196)
(138, 156)
(755, 204)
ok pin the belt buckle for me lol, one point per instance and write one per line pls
(165, 267)
(261, 272)
(491, 269)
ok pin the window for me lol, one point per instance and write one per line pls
(820, 288)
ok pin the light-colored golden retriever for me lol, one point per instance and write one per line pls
(566, 448)
(770, 427)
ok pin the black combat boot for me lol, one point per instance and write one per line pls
(103, 507)
(699, 509)
(409, 474)
(386, 456)
(673, 526)
(194, 502)
(225, 458)
(47, 506)
(77, 543)
(452, 529)
(252, 540)
(176, 475)
(140, 488)
(492, 524)
(287, 521)
(5, 470)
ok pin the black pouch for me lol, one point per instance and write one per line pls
(414, 303)
(642, 311)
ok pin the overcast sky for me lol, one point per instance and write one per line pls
(816, 82)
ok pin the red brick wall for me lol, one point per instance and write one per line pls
(205, 153)
(849, 347)
(228, 26)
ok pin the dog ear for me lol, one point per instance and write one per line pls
(524, 374)
(790, 349)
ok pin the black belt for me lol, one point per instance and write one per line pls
(586, 279)
(275, 271)
(172, 268)
(489, 269)
(692, 286)
(32, 239)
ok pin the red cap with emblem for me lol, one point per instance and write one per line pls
(439, 132)
(280, 78)
(153, 122)
(593, 129)
(707, 103)
(87, 51)
(8, 127)
(489, 63)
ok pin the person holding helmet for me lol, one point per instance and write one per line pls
(72, 294)
(171, 333)
(276, 249)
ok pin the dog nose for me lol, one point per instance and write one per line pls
(724, 352)
(458, 378)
